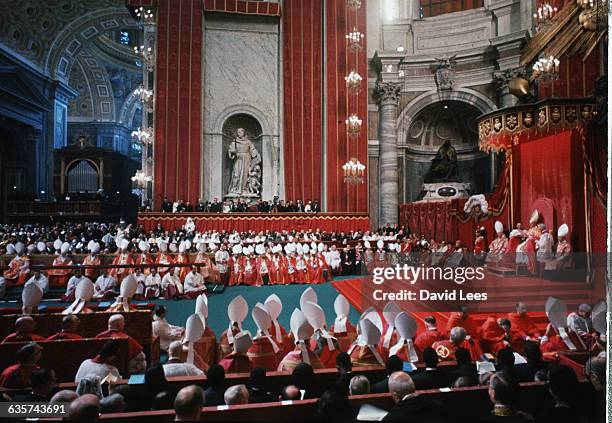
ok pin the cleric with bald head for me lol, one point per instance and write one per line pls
(70, 327)
(24, 331)
(116, 326)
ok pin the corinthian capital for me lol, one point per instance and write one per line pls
(388, 92)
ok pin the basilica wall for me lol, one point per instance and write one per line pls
(449, 69)
(241, 78)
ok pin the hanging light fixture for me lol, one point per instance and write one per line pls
(354, 172)
(144, 16)
(544, 16)
(353, 4)
(546, 69)
(141, 179)
(355, 39)
(353, 125)
(146, 56)
(146, 97)
(144, 136)
(353, 82)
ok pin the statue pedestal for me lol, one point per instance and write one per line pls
(446, 191)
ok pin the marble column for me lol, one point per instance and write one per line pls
(502, 78)
(388, 94)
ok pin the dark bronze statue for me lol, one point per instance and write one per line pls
(443, 166)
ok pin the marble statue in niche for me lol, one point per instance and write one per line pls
(245, 179)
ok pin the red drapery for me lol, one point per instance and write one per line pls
(257, 222)
(303, 92)
(340, 20)
(552, 167)
(178, 100)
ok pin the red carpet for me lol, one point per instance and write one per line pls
(503, 293)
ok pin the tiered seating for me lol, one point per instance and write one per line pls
(65, 356)
(472, 401)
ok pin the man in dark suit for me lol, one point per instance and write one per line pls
(504, 394)
(430, 377)
(394, 364)
(464, 368)
(166, 205)
(258, 393)
(345, 369)
(409, 405)
(215, 378)
(526, 372)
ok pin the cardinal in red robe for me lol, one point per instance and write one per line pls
(446, 349)
(464, 320)
(522, 322)
(70, 325)
(237, 361)
(428, 337)
(24, 331)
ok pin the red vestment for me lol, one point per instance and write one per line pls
(250, 271)
(206, 347)
(467, 323)
(18, 270)
(426, 339)
(315, 271)
(363, 356)
(446, 349)
(17, 376)
(142, 260)
(346, 338)
(262, 354)
(326, 356)
(134, 348)
(182, 258)
(122, 259)
(59, 277)
(480, 245)
(236, 363)
(510, 253)
(163, 258)
(236, 268)
(264, 267)
(91, 272)
(492, 336)
(523, 324)
(64, 335)
(293, 358)
(22, 337)
(224, 347)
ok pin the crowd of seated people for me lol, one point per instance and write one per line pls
(256, 258)
(237, 206)
(564, 401)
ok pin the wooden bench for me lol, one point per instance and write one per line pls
(463, 403)
(65, 356)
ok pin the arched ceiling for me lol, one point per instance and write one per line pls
(50, 33)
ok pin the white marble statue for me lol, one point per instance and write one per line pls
(246, 171)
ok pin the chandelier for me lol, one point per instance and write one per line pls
(144, 16)
(354, 40)
(354, 172)
(353, 4)
(546, 69)
(146, 97)
(353, 82)
(544, 15)
(147, 57)
(145, 137)
(140, 179)
(353, 125)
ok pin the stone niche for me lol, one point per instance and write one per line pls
(241, 84)
(436, 123)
